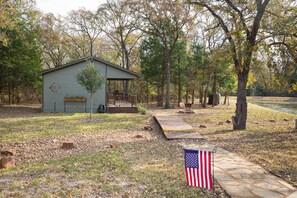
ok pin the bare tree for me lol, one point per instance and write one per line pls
(120, 26)
(53, 41)
(84, 28)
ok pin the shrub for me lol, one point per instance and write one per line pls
(141, 109)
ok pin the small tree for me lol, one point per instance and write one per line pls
(91, 80)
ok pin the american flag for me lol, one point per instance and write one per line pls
(198, 168)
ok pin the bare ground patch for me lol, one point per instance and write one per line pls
(16, 111)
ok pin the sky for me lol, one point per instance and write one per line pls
(62, 7)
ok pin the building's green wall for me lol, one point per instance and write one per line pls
(66, 78)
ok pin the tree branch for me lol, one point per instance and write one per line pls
(247, 31)
(256, 24)
(225, 29)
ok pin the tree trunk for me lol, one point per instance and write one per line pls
(38, 98)
(179, 94)
(160, 96)
(123, 57)
(193, 96)
(205, 96)
(126, 62)
(159, 99)
(162, 91)
(206, 89)
(9, 93)
(187, 94)
(13, 92)
(147, 93)
(239, 120)
(126, 87)
(226, 95)
(91, 105)
(214, 90)
(201, 95)
(91, 50)
(179, 85)
(167, 69)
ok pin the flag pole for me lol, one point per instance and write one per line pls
(214, 150)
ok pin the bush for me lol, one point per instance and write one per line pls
(141, 109)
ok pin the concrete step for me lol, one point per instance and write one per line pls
(173, 127)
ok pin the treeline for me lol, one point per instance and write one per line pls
(20, 53)
(180, 47)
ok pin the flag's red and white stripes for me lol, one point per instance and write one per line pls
(201, 177)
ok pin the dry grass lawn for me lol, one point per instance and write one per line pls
(116, 157)
(113, 157)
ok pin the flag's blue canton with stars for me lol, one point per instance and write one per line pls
(191, 159)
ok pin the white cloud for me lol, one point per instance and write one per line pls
(62, 7)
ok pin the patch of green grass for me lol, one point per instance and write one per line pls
(46, 125)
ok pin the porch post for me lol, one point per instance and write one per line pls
(106, 98)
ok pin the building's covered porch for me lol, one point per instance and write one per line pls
(118, 97)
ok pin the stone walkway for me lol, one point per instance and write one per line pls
(236, 175)
(241, 178)
(174, 127)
